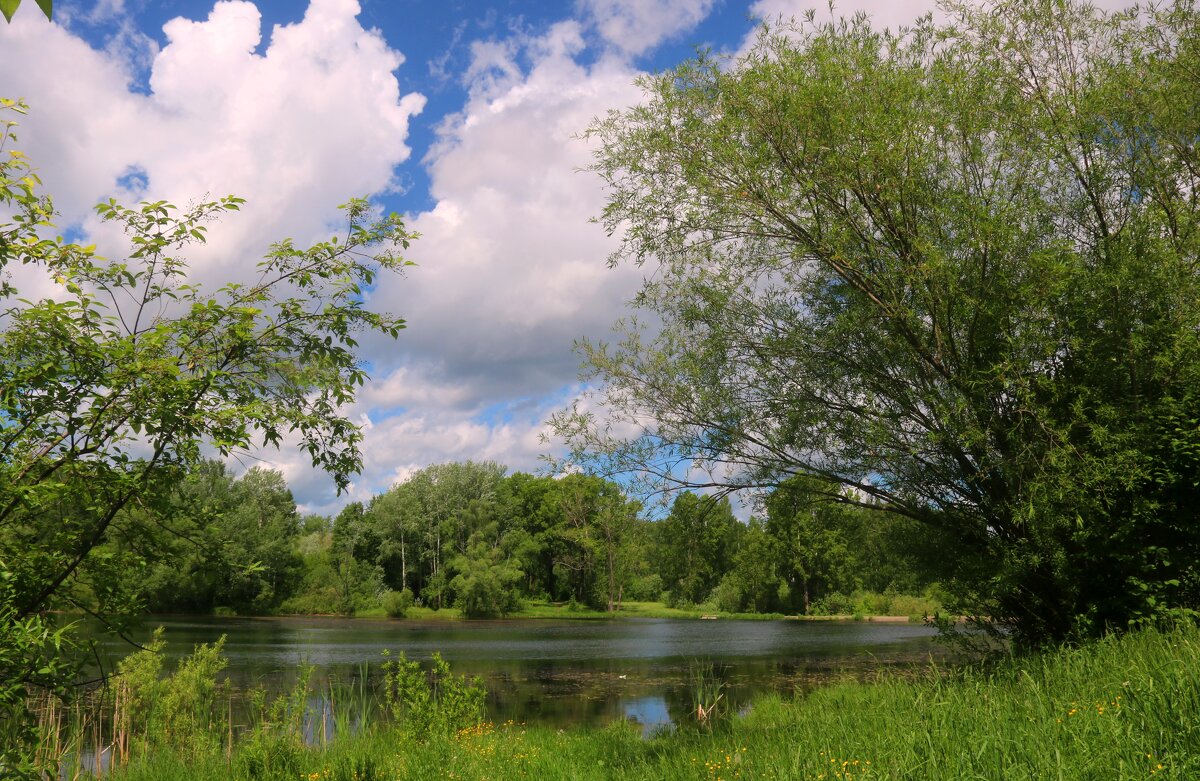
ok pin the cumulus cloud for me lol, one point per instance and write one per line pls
(313, 120)
(509, 270)
(892, 14)
(636, 26)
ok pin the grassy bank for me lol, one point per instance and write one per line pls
(1123, 708)
(537, 609)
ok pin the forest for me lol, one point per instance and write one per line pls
(472, 537)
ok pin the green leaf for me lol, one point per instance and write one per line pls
(8, 8)
(47, 6)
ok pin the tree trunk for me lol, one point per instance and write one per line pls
(612, 578)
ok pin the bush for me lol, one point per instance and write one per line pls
(310, 603)
(833, 605)
(728, 596)
(177, 711)
(436, 702)
(33, 655)
(396, 603)
(871, 603)
(645, 589)
(676, 600)
(274, 748)
(485, 586)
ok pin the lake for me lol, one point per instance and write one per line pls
(559, 671)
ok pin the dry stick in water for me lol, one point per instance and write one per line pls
(229, 745)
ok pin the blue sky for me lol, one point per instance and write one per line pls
(464, 116)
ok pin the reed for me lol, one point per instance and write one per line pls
(707, 693)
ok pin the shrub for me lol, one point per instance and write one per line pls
(434, 702)
(645, 589)
(396, 603)
(729, 596)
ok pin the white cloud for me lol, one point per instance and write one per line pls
(435, 429)
(884, 13)
(509, 270)
(296, 127)
(636, 26)
(313, 120)
(892, 14)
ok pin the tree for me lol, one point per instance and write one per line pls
(593, 533)
(111, 387)
(231, 543)
(487, 582)
(396, 519)
(696, 545)
(528, 509)
(952, 269)
(445, 503)
(811, 538)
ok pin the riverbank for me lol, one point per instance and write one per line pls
(1121, 708)
(550, 610)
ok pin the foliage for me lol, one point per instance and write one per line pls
(861, 603)
(951, 269)
(34, 654)
(233, 544)
(177, 712)
(274, 747)
(130, 369)
(579, 540)
(433, 702)
(396, 603)
(236, 546)
(464, 534)
(486, 583)
(696, 543)
(596, 523)
(756, 576)
(111, 385)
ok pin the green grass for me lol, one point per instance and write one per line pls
(1122, 708)
(627, 610)
(860, 606)
(558, 610)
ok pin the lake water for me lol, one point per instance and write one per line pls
(559, 672)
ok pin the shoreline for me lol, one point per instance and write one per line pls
(451, 615)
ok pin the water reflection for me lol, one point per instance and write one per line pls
(650, 712)
(558, 672)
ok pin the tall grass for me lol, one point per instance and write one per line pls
(1121, 708)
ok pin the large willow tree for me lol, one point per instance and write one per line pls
(954, 270)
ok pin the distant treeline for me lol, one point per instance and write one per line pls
(467, 535)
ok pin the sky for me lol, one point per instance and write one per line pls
(464, 116)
